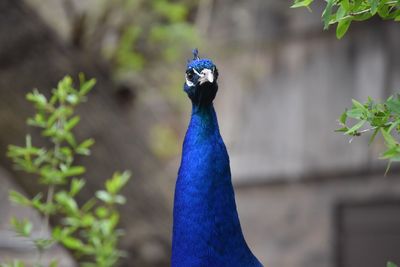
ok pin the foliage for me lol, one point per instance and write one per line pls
(383, 118)
(343, 12)
(144, 33)
(391, 264)
(89, 231)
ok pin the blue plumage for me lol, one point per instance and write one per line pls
(206, 231)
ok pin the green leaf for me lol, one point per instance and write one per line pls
(66, 201)
(18, 198)
(341, 12)
(72, 243)
(326, 15)
(394, 105)
(102, 212)
(74, 171)
(72, 123)
(86, 86)
(51, 176)
(120, 199)
(22, 227)
(383, 11)
(357, 126)
(70, 139)
(104, 196)
(346, 5)
(392, 153)
(87, 143)
(37, 98)
(38, 120)
(114, 219)
(343, 118)
(388, 138)
(390, 264)
(342, 28)
(63, 88)
(66, 151)
(83, 148)
(301, 3)
(342, 130)
(87, 220)
(374, 6)
(73, 99)
(76, 186)
(118, 180)
(359, 106)
(393, 126)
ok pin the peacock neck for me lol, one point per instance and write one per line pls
(204, 119)
(202, 143)
(206, 229)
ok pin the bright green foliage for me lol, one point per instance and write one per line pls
(391, 264)
(149, 33)
(89, 231)
(376, 118)
(22, 227)
(343, 12)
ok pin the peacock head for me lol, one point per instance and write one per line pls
(201, 80)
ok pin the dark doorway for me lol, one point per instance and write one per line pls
(368, 233)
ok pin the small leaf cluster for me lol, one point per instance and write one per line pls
(343, 12)
(379, 117)
(89, 231)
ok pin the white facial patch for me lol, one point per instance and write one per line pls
(206, 75)
(189, 83)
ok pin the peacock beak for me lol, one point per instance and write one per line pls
(206, 75)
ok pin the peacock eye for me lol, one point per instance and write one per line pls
(189, 75)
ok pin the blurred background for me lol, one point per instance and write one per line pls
(306, 196)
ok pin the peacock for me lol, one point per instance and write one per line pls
(206, 227)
